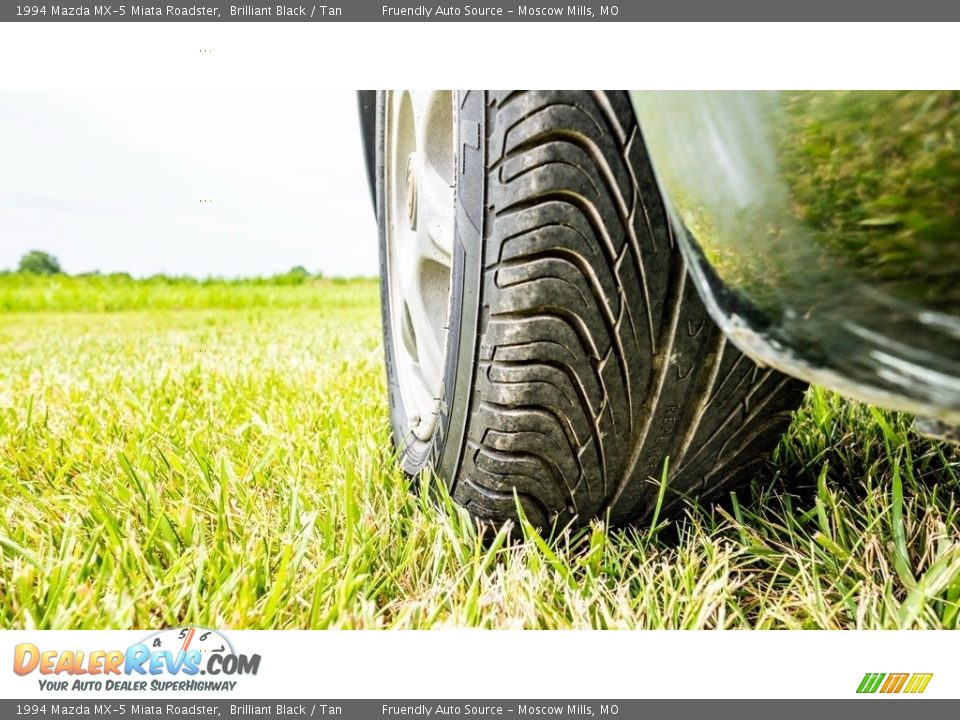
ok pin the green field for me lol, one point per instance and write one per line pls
(217, 453)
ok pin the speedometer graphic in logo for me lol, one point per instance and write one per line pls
(183, 639)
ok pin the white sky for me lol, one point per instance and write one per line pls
(112, 181)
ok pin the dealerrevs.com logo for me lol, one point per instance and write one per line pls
(168, 660)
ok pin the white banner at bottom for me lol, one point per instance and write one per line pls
(196, 662)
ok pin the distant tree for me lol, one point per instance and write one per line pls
(297, 275)
(37, 262)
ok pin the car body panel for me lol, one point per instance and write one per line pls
(823, 231)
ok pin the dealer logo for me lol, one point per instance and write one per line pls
(181, 654)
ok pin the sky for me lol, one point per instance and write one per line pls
(113, 181)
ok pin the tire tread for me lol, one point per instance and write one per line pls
(597, 358)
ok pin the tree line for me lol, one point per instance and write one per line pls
(38, 262)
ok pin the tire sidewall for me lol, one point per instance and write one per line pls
(443, 451)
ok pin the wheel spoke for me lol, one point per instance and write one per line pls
(435, 208)
(429, 346)
(433, 118)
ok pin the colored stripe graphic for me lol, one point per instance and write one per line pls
(870, 682)
(893, 683)
(918, 683)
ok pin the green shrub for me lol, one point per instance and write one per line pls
(37, 262)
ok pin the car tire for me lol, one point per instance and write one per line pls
(576, 358)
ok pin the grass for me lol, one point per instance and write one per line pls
(21, 292)
(224, 460)
(876, 175)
